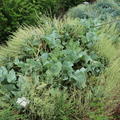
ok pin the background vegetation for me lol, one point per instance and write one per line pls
(102, 9)
(62, 68)
(14, 13)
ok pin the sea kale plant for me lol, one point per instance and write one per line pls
(53, 69)
(102, 9)
(62, 52)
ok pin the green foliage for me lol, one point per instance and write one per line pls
(51, 104)
(108, 41)
(7, 110)
(9, 114)
(106, 8)
(102, 9)
(79, 12)
(118, 2)
(14, 13)
(59, 54)
(108, 46)
(65, 68)
(98, 111)
(55, 7)
(8, 80)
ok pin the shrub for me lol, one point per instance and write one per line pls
(14, 13)
(56, 7)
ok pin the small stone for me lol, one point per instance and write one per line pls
(86, 3)
(22, 101)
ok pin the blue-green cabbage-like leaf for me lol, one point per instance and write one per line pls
(80, 78)
(3, 73)
(11, 77)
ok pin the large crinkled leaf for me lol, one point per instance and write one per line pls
(91, 38)
(95, 67)
(55, 69)
(53, 40)
(44, 58)
(85, 57)
(80, 77)
(67, 67)
(71, 55)
(23, 83)
(3, 73)
(11, 77)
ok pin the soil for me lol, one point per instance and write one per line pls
(116, 113)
